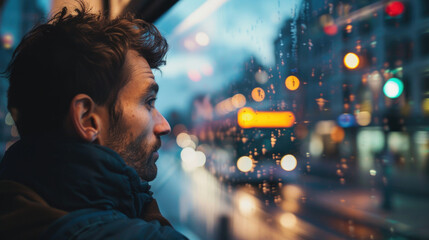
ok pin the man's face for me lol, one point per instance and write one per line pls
(136, 136)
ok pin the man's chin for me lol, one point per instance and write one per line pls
(149, 175)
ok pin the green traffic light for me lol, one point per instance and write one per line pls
(393, 88)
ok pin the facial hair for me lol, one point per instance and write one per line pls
(135, 152)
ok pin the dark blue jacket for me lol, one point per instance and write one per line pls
(104, 198)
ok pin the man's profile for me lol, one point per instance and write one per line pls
(82, 95)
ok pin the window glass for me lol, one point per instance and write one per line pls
(291, 119)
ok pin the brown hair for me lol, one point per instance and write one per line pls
(75, 53)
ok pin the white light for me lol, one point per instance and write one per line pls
(200, 158)
(261, 77)
(187, 154)
(372, 172)
(202, 39)
(316, 145)
(244, 164)
(246, 205)
(288, 162)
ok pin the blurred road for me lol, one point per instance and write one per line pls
(201, 207)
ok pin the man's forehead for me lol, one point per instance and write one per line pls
(140, 72)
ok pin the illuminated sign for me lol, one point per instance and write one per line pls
(249, 118)
(292, 83)
(258, 94)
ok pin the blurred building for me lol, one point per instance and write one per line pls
(390, 41)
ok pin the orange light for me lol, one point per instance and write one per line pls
(258, 94)
(337, 134)
(292, 83)
(351, 60)
(249, 118)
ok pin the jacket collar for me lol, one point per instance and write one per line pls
(72, 175)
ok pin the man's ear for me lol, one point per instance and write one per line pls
(83, 117)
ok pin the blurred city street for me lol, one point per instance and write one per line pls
(310, 208)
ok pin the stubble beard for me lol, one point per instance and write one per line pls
(134, 153)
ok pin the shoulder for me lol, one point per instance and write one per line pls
(23, 213)
(107, 224)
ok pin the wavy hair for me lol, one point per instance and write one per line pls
(72, 53)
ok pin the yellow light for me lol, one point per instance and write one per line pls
(363, 118)
(258, 94)
(248, 118)
(245, 164)
(292, 83)
(288, 162)
(351, 60)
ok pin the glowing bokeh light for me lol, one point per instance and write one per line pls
(346, 120)
(202, 39)
(288, 162)
(326, 19)
(194, 75)
(363, 118)
(190, 44)
(187, 154)
(7, 40)
(249, 118)
(238, 100)
(316, 145)
(292, 83)
(245, 164)
(393, 88)
(395, 8)
(351, 60)
(288, 220)
(258, 94)
(331, 29)
(246, 205)
(261, 76)
(200, 158)
(192, 159)
(184, 140)
(337, 134)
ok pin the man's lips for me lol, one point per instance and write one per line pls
(155, 155)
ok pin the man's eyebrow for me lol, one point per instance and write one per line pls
(153, 87)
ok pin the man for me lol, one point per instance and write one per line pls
(82, 95)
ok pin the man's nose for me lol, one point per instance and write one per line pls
(162, 127)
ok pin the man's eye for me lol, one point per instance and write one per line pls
(151, 103)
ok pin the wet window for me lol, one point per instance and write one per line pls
(303, 119)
